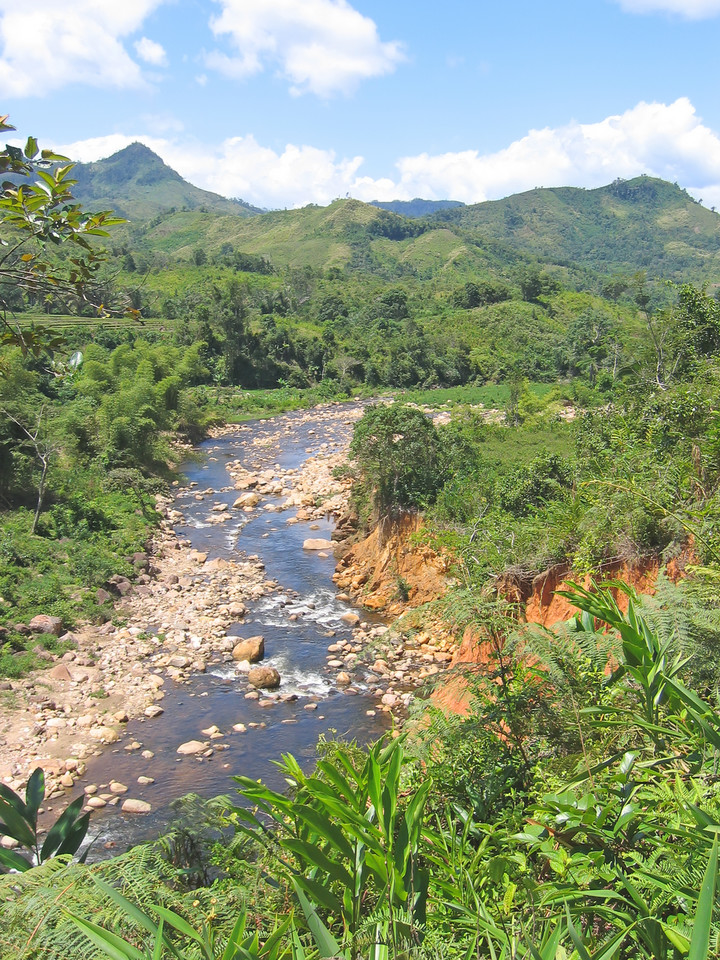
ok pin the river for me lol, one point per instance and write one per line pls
(298, 620)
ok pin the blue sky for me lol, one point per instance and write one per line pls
(287, 102)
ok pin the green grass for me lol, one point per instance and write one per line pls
(490, 395)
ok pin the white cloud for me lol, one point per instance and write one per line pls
(298, 175)
(151, 52)
(663, 140)
(667, 141)
(46, 44)
(321, 46)
(691, 9)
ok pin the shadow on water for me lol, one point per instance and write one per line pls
(298, 621)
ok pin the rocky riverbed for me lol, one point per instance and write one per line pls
(192, 613)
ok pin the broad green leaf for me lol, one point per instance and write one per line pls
(237, 931)
(326, 943)
(310, 853)
(15, 825)
(13, 861)
(178, 923)
(321, 894)
(702, 927)
(112, 946)
(14, 800)
(59, 831)
(323, 827)
(298, 952)
(75, 837)
(135, 913)
(158, 947)
(576, 938)
(680, 942)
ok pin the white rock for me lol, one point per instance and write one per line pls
(136, 806)
(190, 747)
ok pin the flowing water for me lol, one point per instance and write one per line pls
(298, 622)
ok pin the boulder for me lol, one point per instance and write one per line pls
(45, 624)
(264, 678)
(317, 543)
(60, 672)
(106, 734)
(136, 806)
(252, 649)
(350, 618)
(246, 500)
(190, 748)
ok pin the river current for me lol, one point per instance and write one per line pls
(298, 621)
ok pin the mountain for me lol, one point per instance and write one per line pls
(416, 207)
(347, 235)
(644, 224)
(138, 185)
(629, 225)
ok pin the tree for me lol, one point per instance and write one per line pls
(398, 451)
(37, 211)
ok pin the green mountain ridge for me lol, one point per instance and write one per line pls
(643, 224)
(639, 224)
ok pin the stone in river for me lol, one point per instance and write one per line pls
(317, 543)
(252, 649)
(247, 500)
(106, 734)
(350, 618)
(191, 747)
(136, 806)
(265, 678)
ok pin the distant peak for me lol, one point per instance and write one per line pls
(136, 151)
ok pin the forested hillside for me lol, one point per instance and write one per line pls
(640, 224)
